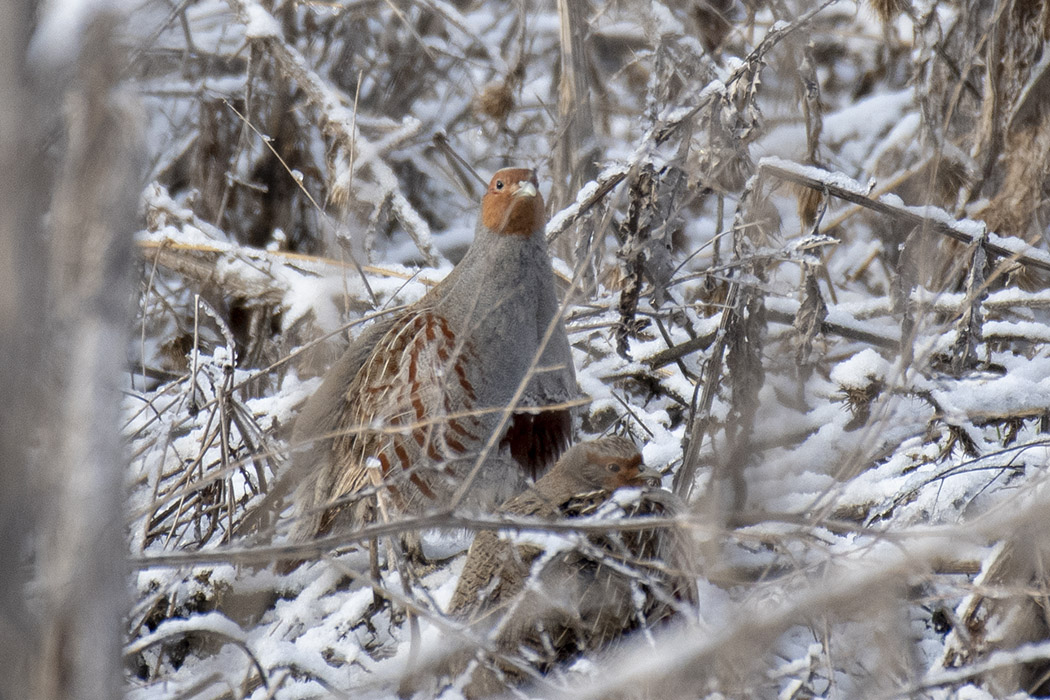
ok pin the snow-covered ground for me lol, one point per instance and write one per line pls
(865, 511)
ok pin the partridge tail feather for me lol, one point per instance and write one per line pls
(536, 440)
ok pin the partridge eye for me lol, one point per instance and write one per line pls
(499, 185)
(613, 467)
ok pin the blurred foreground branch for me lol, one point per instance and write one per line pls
(63, 323)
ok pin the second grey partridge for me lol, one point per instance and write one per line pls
(409, 406)
(496, 569)
(581, 598)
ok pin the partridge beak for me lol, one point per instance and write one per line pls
(525, 189)
(647, 475)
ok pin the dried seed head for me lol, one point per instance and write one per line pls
(887, 10)
(495, 101)
(809, 201)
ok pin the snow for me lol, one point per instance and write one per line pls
(561, 218)
(846, 510)
(215, 623)
(664, 449)
(1022, 392)
(315, 295)
(61, 28)
(260, 24)
(900, 135)
(861, 370)
(439, 545)
(663, 22)
(854, 130)
(1018, 247)
(843, 182)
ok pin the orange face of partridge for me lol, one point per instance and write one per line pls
(619, 471)
(513, 205)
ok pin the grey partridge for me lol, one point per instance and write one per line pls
(581, 598)
(409, 406)
(496, 569)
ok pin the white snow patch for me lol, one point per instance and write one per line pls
(444, 544)
(260, 24)
(860, 370)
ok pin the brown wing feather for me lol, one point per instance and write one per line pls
(407, 408)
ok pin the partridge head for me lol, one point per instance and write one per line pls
(407, 411)
(605, 464)
(512, 205)
(598, 467)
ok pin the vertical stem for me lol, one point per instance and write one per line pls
(80, 556)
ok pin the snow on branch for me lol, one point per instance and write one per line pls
(178, 240)
(933, 218)
(589, 195)
(353, 151)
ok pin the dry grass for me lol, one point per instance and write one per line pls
(854, 534)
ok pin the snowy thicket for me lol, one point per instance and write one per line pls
(804, 253)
